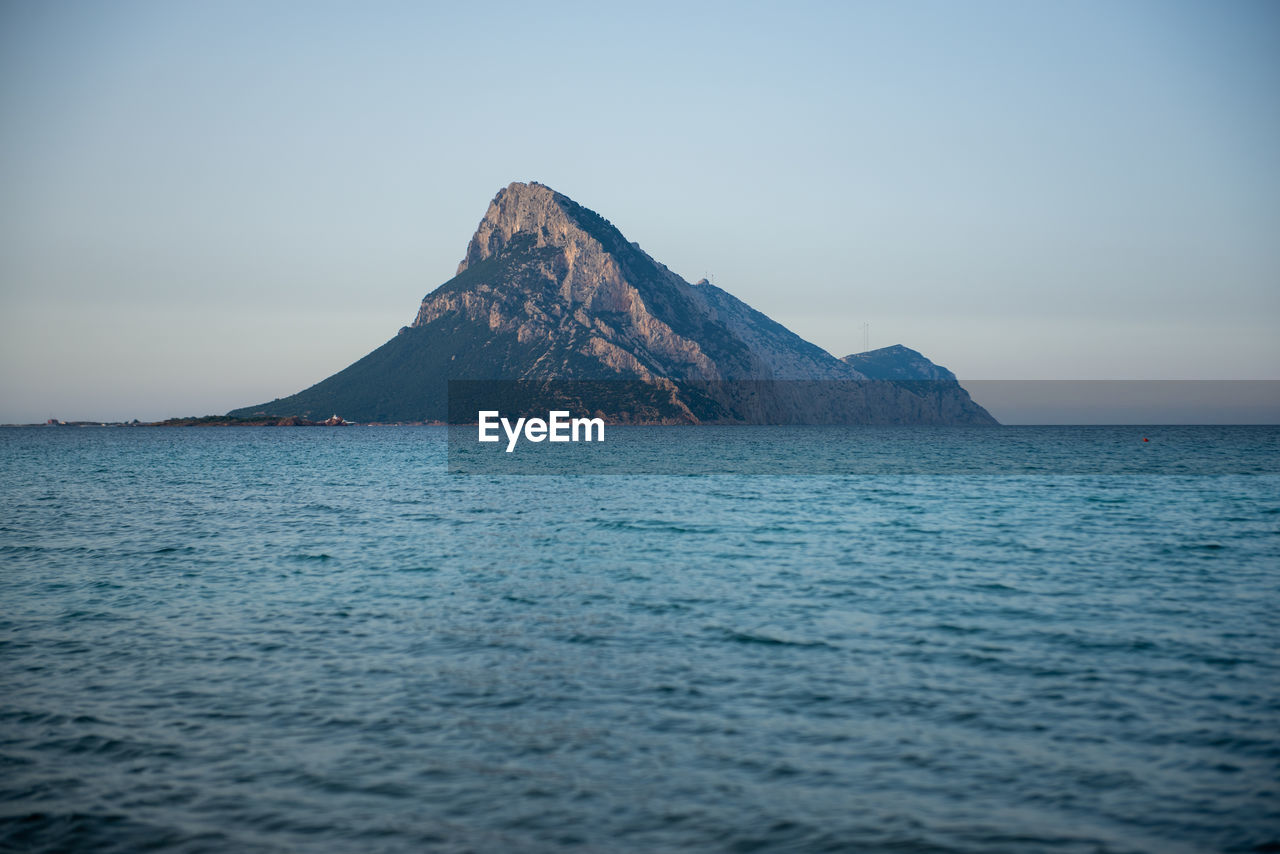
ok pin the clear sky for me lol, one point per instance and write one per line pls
(207, 205)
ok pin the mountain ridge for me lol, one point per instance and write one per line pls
(550, 290)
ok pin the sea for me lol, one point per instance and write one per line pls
(326, 639)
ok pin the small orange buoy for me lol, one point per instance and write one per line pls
(1145, 439)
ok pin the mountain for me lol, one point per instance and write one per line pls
(550, 291)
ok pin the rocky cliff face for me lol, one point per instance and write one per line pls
(546, 269)
(549, 290)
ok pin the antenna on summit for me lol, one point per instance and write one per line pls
(866, 337)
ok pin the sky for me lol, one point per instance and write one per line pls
(209, 205)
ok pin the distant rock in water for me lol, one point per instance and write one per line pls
(550, 291)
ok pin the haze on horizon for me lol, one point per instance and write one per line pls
(211, 205)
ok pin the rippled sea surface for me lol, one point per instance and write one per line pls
(317, 639)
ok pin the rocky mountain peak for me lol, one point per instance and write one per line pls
(547, 268)
(519, 208)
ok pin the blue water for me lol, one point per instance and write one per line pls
(318, 640)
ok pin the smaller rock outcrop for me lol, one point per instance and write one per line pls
(897, 363)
